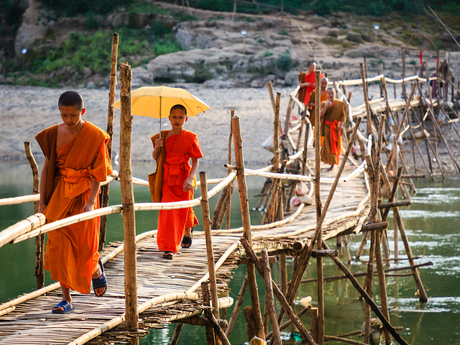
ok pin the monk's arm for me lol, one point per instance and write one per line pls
(189, 180)
(324, 108)
(89, 206)
(42, 204)
(156, 147)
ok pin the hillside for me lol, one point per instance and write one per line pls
(170, 44)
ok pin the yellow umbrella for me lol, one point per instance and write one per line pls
(157, 101)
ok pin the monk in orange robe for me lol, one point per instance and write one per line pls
(311, 102)
(332, 119)
(76, 162)
(181, 146)
(307, 82)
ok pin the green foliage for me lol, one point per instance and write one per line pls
(260, 40)
(283, 32)
(76, 7)
(94, 52)
(284, 61)
(268, 53)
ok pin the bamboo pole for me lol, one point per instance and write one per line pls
(283, 273)
(319, 260)
(382, 282)
(276, 133)
(105, 189)
(209, 248)
(176, 335)
(230, 187)
(244, 204)
(281, 298)
(210, 337)
(305, 148)
(236, 308)
(287, 120)
(127, 195)
(270, 302)
(39, 271)
(366, 101)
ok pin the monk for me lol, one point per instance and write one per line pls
(311, 102)
(180, 146)
(332, 119)
(76, 162)
(307, 82)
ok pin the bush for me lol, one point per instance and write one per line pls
(284, 61)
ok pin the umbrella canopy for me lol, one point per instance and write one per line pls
(156, 101)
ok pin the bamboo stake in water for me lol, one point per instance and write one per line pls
(270, 303)
(244, 204)
(127, 195)
(319, 260)
(208, 236)
(112, 88)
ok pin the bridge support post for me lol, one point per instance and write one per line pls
(113, 83)
(244, 204)
(127, 196)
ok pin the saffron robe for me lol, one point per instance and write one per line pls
(72, 251)
(322, 98)
(304, 92)
(172, 223)
(332, 145)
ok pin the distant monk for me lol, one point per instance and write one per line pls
(323, 98)
(76, 162)
(307, 82)
(332, 119)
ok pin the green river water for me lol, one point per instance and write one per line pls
(432, 224)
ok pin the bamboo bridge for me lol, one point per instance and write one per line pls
(343, 202)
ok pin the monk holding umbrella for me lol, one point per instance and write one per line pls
(173, 150)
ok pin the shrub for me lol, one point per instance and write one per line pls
(284, 61)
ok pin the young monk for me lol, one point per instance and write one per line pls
(178, 146)
(323, 98)
(332, 119)
(307, 82)
(76, 162)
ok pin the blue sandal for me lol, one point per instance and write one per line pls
(100, 282)
(64, 304)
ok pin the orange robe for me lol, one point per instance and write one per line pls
(72, 251)
(332, 145)
(172, 223)
(322, 98)
(307, 78)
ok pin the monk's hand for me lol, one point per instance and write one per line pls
(188, 184)
(158, 143)
(89, 206)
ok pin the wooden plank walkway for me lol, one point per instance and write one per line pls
(33, 323)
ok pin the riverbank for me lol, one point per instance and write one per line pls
(27, 110)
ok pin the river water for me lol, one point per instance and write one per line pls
(432, 225)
